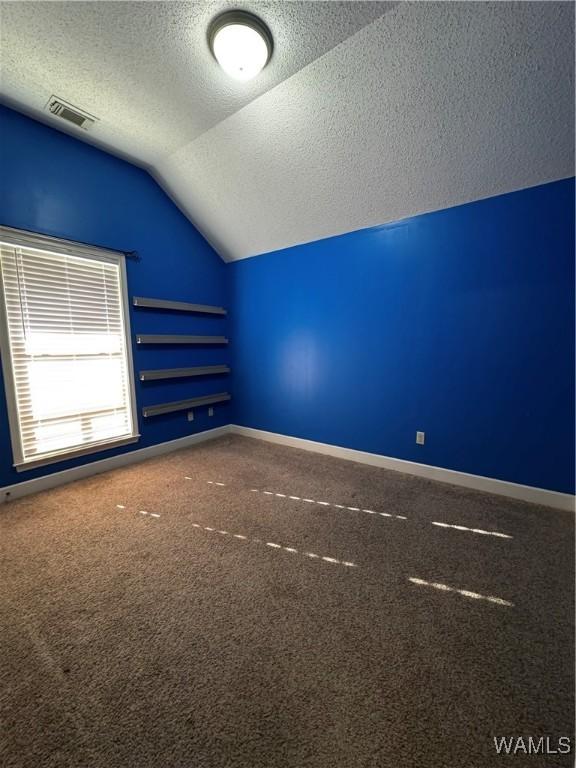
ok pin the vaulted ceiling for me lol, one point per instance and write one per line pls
(368, 111)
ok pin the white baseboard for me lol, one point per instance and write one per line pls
(540, 496)
(9, 492)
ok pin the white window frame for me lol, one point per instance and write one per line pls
(31, 240)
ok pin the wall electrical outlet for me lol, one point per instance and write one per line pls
(210, 411)
(420, 438)
(190, 415)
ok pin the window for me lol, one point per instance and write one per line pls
(64, 332)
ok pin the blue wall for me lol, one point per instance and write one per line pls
(459, 323)
(57, 185)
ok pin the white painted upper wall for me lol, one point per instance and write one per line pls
(430, 106)
(425, 106)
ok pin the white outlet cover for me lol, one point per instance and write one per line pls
(420, 438)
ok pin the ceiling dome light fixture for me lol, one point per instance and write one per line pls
(241, 44)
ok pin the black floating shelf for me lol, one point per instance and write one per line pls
(177, 306)
(180, 373)
(185, 405)
(179, 339)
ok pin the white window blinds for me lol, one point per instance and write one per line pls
(65, 346)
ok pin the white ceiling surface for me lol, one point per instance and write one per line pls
(367, 113)
(145, 69)
(430, 106)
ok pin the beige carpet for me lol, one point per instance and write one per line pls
(290, 635)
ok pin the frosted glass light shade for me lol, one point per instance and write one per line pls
(241, 44)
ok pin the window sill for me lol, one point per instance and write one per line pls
(77, 452)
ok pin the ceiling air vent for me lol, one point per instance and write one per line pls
(70, 113)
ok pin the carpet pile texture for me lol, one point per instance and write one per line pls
(204, 610)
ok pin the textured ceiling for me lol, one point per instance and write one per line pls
(144, 68)
(368, 112)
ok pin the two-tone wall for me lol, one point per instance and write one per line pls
(57, 185)
(458, 323)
